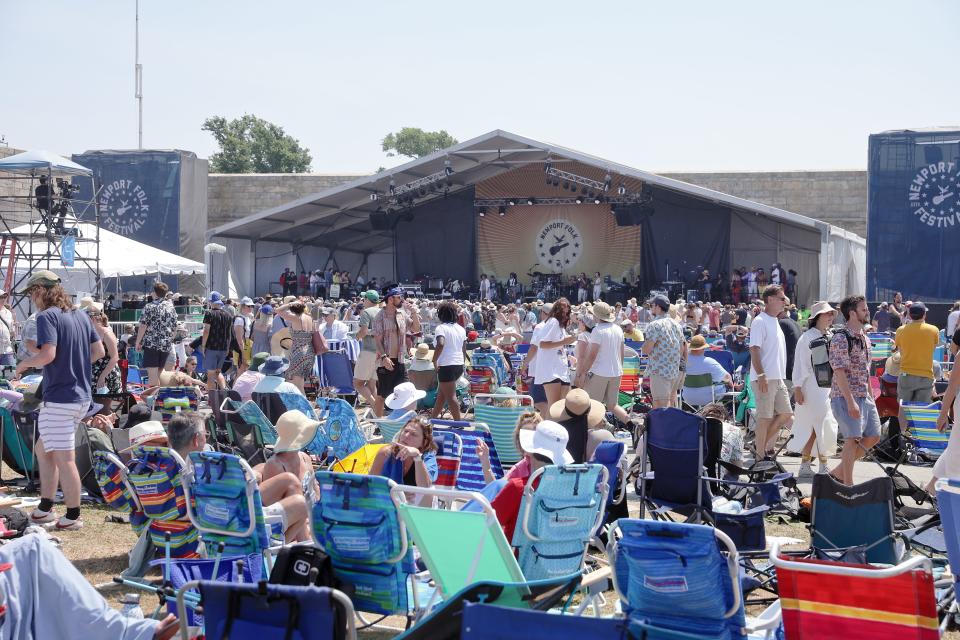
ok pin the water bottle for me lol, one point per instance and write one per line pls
(131, 606)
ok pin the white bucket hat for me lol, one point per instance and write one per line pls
(404, 394)
(549, 439)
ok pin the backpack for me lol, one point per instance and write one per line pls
(820, 355)
(294, 564)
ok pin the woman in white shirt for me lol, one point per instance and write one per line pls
(550, 366)
(813, 422)
(449, 339)
(597, 286)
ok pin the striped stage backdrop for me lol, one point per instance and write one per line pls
(567, 239)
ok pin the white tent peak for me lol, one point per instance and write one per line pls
(39, 162)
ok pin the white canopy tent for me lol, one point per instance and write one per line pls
(41, 163)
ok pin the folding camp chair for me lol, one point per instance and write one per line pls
(297, 402)
(725, 358)
(116, 489)
(482, 379)
(470, 476)
(449, 455)
(824, 599)
(924, 442)
(561, 510)
(854, 520)
(502, 420)
(172, 400)
(233, 569)
(355, 522)
(340, 428)
(948, 501)
(492, 360)
(336, 372)
(390, 428)
(20, 435)
(609, 454)
(698, 381)
(155, 474)
(249, 431)
(482, 621)
(678, 577)
(261, 611)
(630, 380)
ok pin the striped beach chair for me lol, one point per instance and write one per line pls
(390, 428)
(155, 474)
(116, 489)
(502, 420)
(926, 442)
(881, 348)
(449, 454)
(171, 400)
(470, 476)
(630, 380)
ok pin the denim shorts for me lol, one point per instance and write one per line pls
(868, 424)
(213, 360)
(538, 393)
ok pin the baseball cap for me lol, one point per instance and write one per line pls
(661, 301)
(42, 278)
(246, 301)
(267, 308)
(917, 309)
(371, 295)
(396, 291)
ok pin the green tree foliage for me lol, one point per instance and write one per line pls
(416, 143)
(252, 145)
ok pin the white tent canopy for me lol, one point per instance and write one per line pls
(41, 163)
(120, 256)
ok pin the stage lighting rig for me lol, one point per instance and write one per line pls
(502, 210)
(574, 179)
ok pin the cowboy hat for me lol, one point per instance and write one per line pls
(145, 432)
(549, 439)
(404, 394)
(603, 312)
(294, 431)
(274, 366)
(422, 352)
(577, 404)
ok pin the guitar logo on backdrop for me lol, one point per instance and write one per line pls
(934, 193)
(559, 245)
(123, 206)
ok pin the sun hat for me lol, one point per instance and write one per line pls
(626, 322)
(258, 359)
(603, 312)
(485, 344)
(145, 432)
(422, 352)
(549, 439)
(274, 366)
(42, 278)
(245, 301)
(507, 341)
(215, 298)
(504, 391)
(89, 304)
(547, 308)
(404, 394)
(821, 307)
(289, 299)
(294, 431)
(371, 295)
(577, 404)
(698, 343)
(588, 320)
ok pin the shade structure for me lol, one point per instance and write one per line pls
(41, 163)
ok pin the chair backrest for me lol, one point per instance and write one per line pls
(155, 474)
(250, 414)
(630, 380)
(948, 503)
(609, 454)
(275, 611)
(458, 547)
(223, 502)
(482, 621)
(482, 379)
(390, 428)
(336, 371)
(297, 402)
(423, 380)
(340, 428)
(169, 399)
(725, 358)
(881, 348)
(854, 516)
(675, 445)
(922, 427)
(698, 380)
(825, 599)
(678, 576)
(492, 360)
(17, 445)
(116, 489)
(470, 476)
(561, 510)
(502, 421)
(355, 521)
(449, 455)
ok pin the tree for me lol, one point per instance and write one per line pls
(416, 143)
(252, 145)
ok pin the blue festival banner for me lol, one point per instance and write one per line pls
(913, 218)
(68, 251)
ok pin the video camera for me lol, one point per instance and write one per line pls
(66, 188)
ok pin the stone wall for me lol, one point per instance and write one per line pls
(14, 208)
(233, 196)
(837, 197)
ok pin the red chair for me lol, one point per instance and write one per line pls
(823, 599)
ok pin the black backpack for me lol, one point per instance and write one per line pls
(294, 565)
(820, 355)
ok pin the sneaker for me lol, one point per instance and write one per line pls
(69, 525)
(42, 517)
(823, 466)
(806, 471)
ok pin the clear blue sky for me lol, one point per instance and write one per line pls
(668, 85)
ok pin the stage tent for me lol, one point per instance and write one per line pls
(439, 234)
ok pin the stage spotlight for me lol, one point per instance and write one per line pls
(422, 191)
(597, 199)
(613, 210)
(531, 201)
(511, 202)
(503, 210)
(556, 182)
(579, 200)
(566, 185)
(607, 179)
(548, 165)
(447, 169)
(483, 211)
(549, 180)
(573, 188)
(374, 196)
(393, 186)
(621, 189)
(449, 182)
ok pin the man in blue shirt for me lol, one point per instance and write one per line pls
(67, 344)
(698, 363)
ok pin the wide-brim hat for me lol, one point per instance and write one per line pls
(422, 352)
(145, 432)
(603, 312)
(274, 366)
(89, 304)
(698, 343)
(404, 394)
(258, 359)
(821, 307)
(280, 342)
(549, 439)
(577, 404)
(295, 430)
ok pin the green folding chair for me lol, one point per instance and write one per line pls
(502, 421)
(390, 428)
(698, 381)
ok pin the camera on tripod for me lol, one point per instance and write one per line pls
(66, 188)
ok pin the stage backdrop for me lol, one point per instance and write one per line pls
(562, 239)
(438, 240)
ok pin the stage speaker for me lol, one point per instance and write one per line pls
(625, 216)
(380, 222)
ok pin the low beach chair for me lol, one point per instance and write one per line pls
(336, 373)
(857, 520)
(116, 489)
(470, 476)
(171, 400)
(502, 420)
(948, 502)
(449, 456)
(262, 611)
(340, 428)
(925, 443)
(355, 522)
(155, 474)
(249, 431)
(483, 621)
(824, 599)
(390, 428)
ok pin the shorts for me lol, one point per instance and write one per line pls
(366, 368)
(275, 513)
(664, 388)
(537, 393)
(449, 373)
(387, 380)
(911, 388)
(8, 360)
(775, 402)
(603, 389)
(213, 360)
(154, 358)
(57, 424)
(867, 425)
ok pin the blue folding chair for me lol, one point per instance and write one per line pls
(856, 519)
(561, 510)
(925, 443)
(470, 476)
(336, 372)
(725, 358)
(948, 503)
(609, 454)
(262, 611)
(340, 430)
(483, 621)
